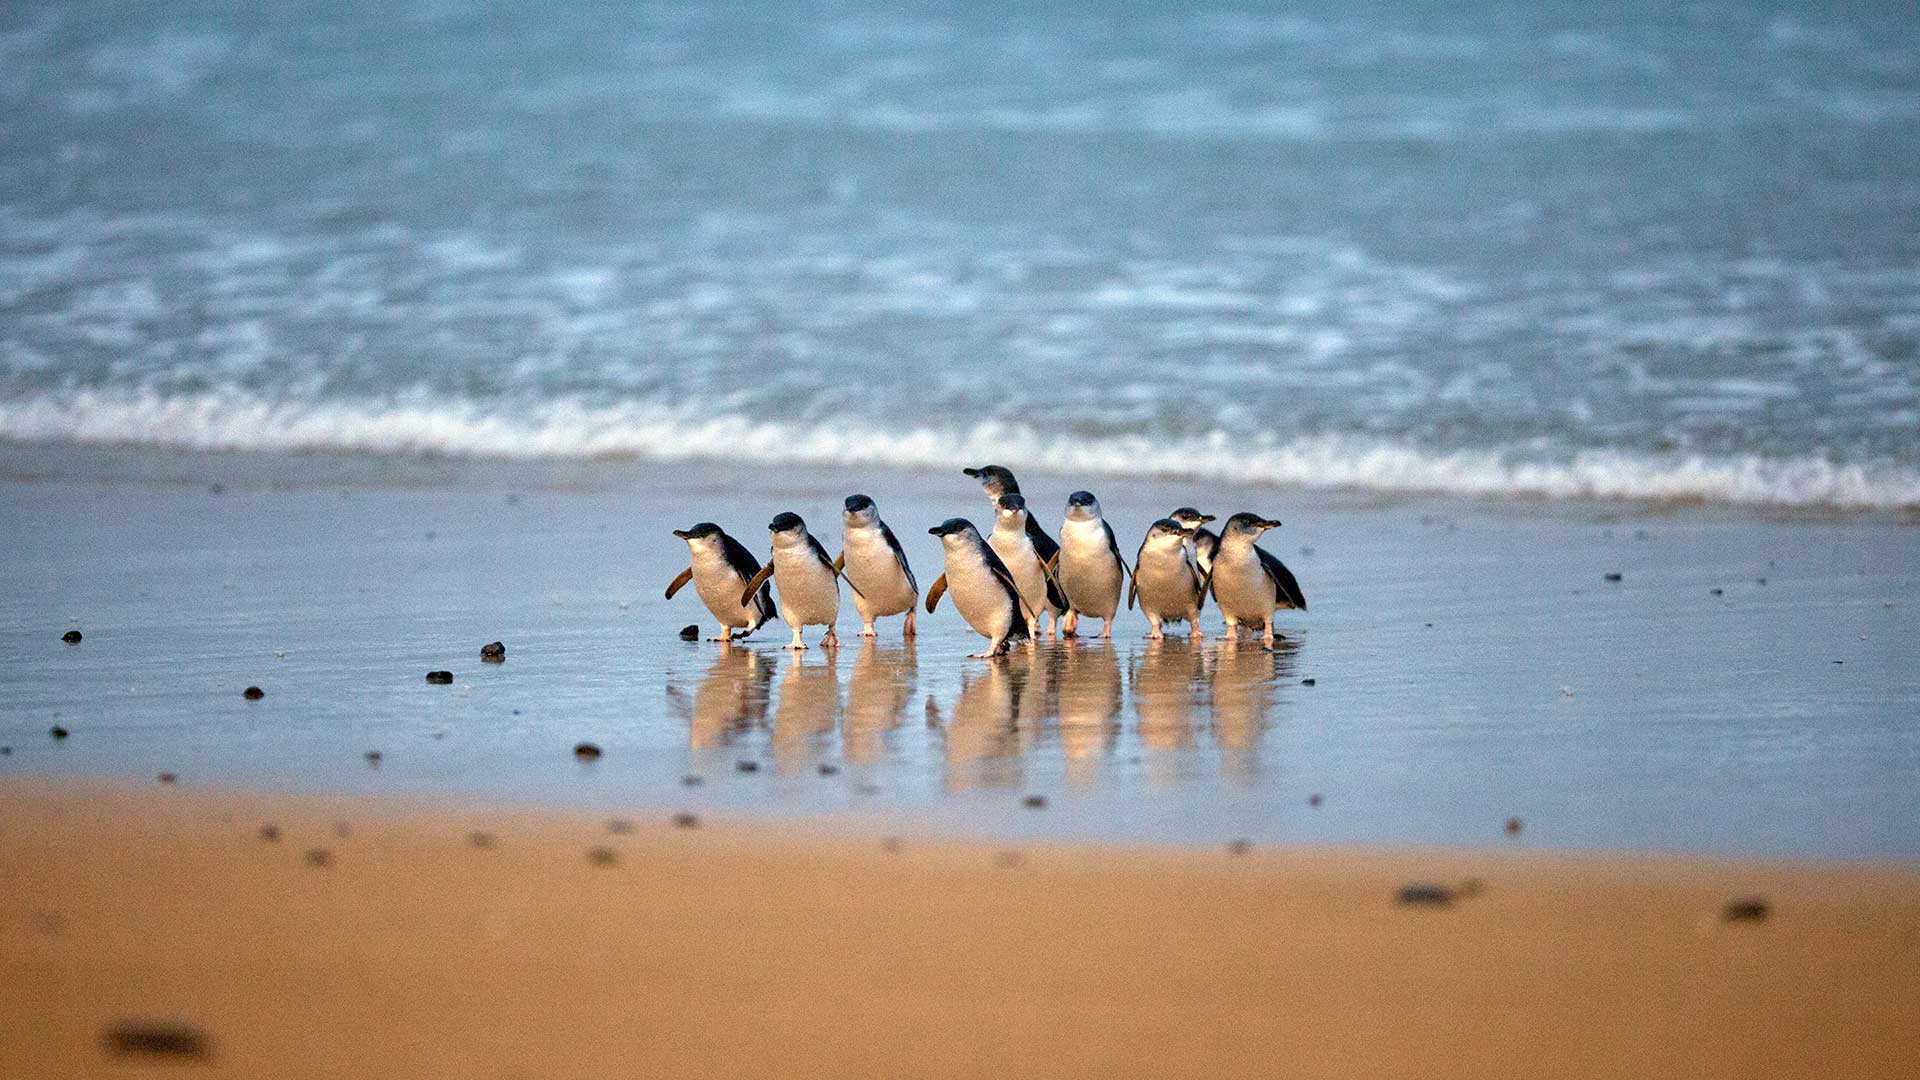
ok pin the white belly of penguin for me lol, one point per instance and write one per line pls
(1241, 587)
(1088, 571)
(874, 569)
(980, 598)
(1017, 552)
(808, 592)
(1165, 587)
(719, 588)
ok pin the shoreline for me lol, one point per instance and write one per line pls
(724, 948)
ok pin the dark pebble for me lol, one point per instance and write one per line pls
(71, 637)
(57, 731)
(1239, 847)
(1306, 682)
(690, 780)
(494, 652)
(619, 826)
(1718, 592)
(5, 750)
(690, 632)
(1513, 826)
(481, 840)
(253, 693)
(374, 756)
(1614, 577)
(1473, 886)
(319, 857)
(168, 778)
(1746, 909)
(1034, 802)
(827, 769)
(746, 766)
(1759, 581)
(1425, 895)
(686, 821)
(586, 751)
(601, 856)
(270, 833)
(160, 1039)
(1314, 799)
(440, 678)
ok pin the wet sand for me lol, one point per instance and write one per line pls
(145, 927)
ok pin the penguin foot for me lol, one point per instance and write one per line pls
(797, 646)
(868, 632)
(831, 641)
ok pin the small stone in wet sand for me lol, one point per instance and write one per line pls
(1513, 826)
(1239, 847)
(440, 678)
(1424, 895)
(319, 857)
(57, 731)
(168, 778)
(690, 632)
(1746, 909)
(1614, 577)
(620, 826)
(1307, 682)
(586, 751)
(1034, 802)
(1315, 799)
(686, 821)
(5, 750)
(270, 833)
(71, 637)
(1717, 592)
(601, 856)
(493, 652)
(1473, 886)
(829, 769)
(253, 693)
(155, 1038)
(373, 757)
(746, 766)
(481, 840)
(691, 780)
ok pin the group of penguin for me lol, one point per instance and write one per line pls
(1004, 584)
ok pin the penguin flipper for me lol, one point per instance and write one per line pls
(935, 592)
(1132, 587)
(685, 576)
(753, 586)
(1285, 587)
(840, 563)
(999, 570)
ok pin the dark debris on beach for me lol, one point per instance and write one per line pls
(170, 1039)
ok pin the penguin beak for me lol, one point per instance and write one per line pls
(1269, 524)
(1204, 518)
(683, 534)
(971, 472)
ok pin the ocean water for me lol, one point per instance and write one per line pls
(1650, 250)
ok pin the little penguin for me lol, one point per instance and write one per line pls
(1200, 541)
(1249, 584)
(1038, 590)
(808, 584)
(1166, 579)
(983, 589)
(1089, 567)
(997, 481)
(873, 563)
(721, 567)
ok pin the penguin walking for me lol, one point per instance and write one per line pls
(997, 481)
(875, 566)
(809, 586)
(1011, 541)
(721, 567)
(1089, 567)
(1201, 541)
(983, 589)
(1166, 579)
(1249, 584)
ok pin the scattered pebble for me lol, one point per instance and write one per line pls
(1239, 847)
(493, 652)
(373, 758)
(601, 856)
(1746, 909)
(1759, 581)
(279, 654)
(1035, 802)
(156, 1038)
(71, 637)
(441, 678)
(482, 840)
(746, 766)
(57, 731)
(5, 751)
(827, 768)
(586, 751)
(1717, 592)
(1513, 826)
(319, 857)
(1315, 799)
(1614, 576)
(691, 780)
(1425, 895)
(253, 693)
(1306, 682)
(620, 826)
(686, 821)
(168, 778)
(270, 833)
(1473, 886)
(690, 632)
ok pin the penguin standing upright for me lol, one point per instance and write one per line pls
(1010, 541)
(1249, 584)
(875, 566)
(983, 590)
(1201, 541)
(1090, 569)
(721, 566)
(1166, 580)
(996, 481)
(805, 579)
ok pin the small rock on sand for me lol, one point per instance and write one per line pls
(746, 766)
(374, 757)
(620, 826)
(1746, 909)
(1239, 847)
(481, 840)
(1307, 682)
(168, 778)
(1717, 592)
(253, 693)
(493, 652)
(319, 857)
(270, 833)
(601, 856)
(586, 751)
(1424, 895)
(1513, 826)
(1034, 802)
(829, 769)
(1315, 799)
(441, 678)
(691, 780)
(690, 632)
(57, 731)
(71, 637)
(168, 1039)
(1615, 577)
(686, 821)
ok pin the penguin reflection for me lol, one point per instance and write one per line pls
(878, 690)
(1163, 679)
(1246, 678)
(809, 703)
(1090, 698)
(983, 740)
(731, 697)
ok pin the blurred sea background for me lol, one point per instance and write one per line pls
(1640, 250)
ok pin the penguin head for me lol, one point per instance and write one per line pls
(1190, 517)
(860, 512)
(1167, 533)
(1082, 506)
(954, 532)
(1249, 525)
(787, 529)
(703, 534)
(1011, 509)
(996, 480)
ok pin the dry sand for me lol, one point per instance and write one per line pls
(734, 950)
